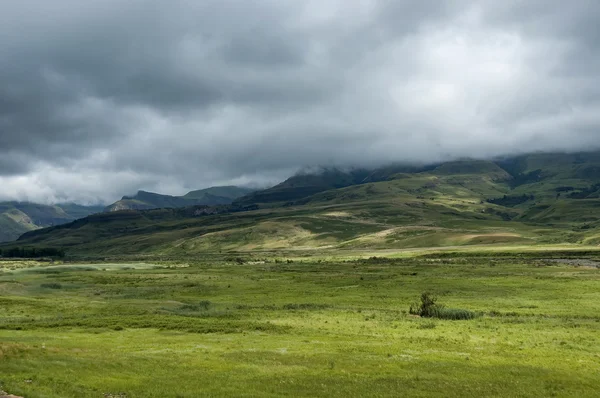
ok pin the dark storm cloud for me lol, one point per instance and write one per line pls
(100, 98)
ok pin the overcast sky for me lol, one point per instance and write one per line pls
(100, 98)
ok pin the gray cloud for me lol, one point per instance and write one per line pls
(100, 98)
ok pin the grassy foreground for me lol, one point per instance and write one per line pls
(335, 327)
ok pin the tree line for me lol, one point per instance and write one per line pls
(510, 201)
(31, 252)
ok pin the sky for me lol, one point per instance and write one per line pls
(100, 98)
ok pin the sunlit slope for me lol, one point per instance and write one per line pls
(385, 214)
(13, 223)
(454, 204)
(17, 218)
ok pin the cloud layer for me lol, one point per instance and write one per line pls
(103, 97)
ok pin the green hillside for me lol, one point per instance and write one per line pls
(13, 223)
(148, 200)
(453, 204)
(230, 192)
(473, 167)
(17, 218)
(305, 184)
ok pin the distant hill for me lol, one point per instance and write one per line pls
(525, 200)
(17, 218)
(230, 192)
(466, 167)
(390, 172)
(148, 200)
(303, 185)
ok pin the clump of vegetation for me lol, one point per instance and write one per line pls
(455, 314)
(510, 201)
(52, 285)
(32, 252)
(376, 260)
(428, 307)
(586, 193)
(564, 189)
(237, 260)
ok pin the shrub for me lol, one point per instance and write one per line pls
(429, 308)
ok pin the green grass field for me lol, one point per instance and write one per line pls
(312, 326)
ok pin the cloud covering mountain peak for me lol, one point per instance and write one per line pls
(104, 97)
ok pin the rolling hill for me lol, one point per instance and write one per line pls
(303, 185)
(149, 200)
(535, 199)
(17, 218)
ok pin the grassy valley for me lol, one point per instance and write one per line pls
(469, 278)
(309, 326)
(454, 204)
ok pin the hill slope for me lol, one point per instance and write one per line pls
(303, 185)
(17, 218)
(230, 192)
(149, 200)
(453, 204)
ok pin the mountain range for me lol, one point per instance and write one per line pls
(529, 199)
(17, 218)
(210, 197)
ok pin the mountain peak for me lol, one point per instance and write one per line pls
(144, 200)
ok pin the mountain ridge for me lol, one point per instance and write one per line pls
(144, 200)
(520, 200)
(17, 217)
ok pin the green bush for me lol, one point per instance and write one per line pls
(429, 308)
(454, 314)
